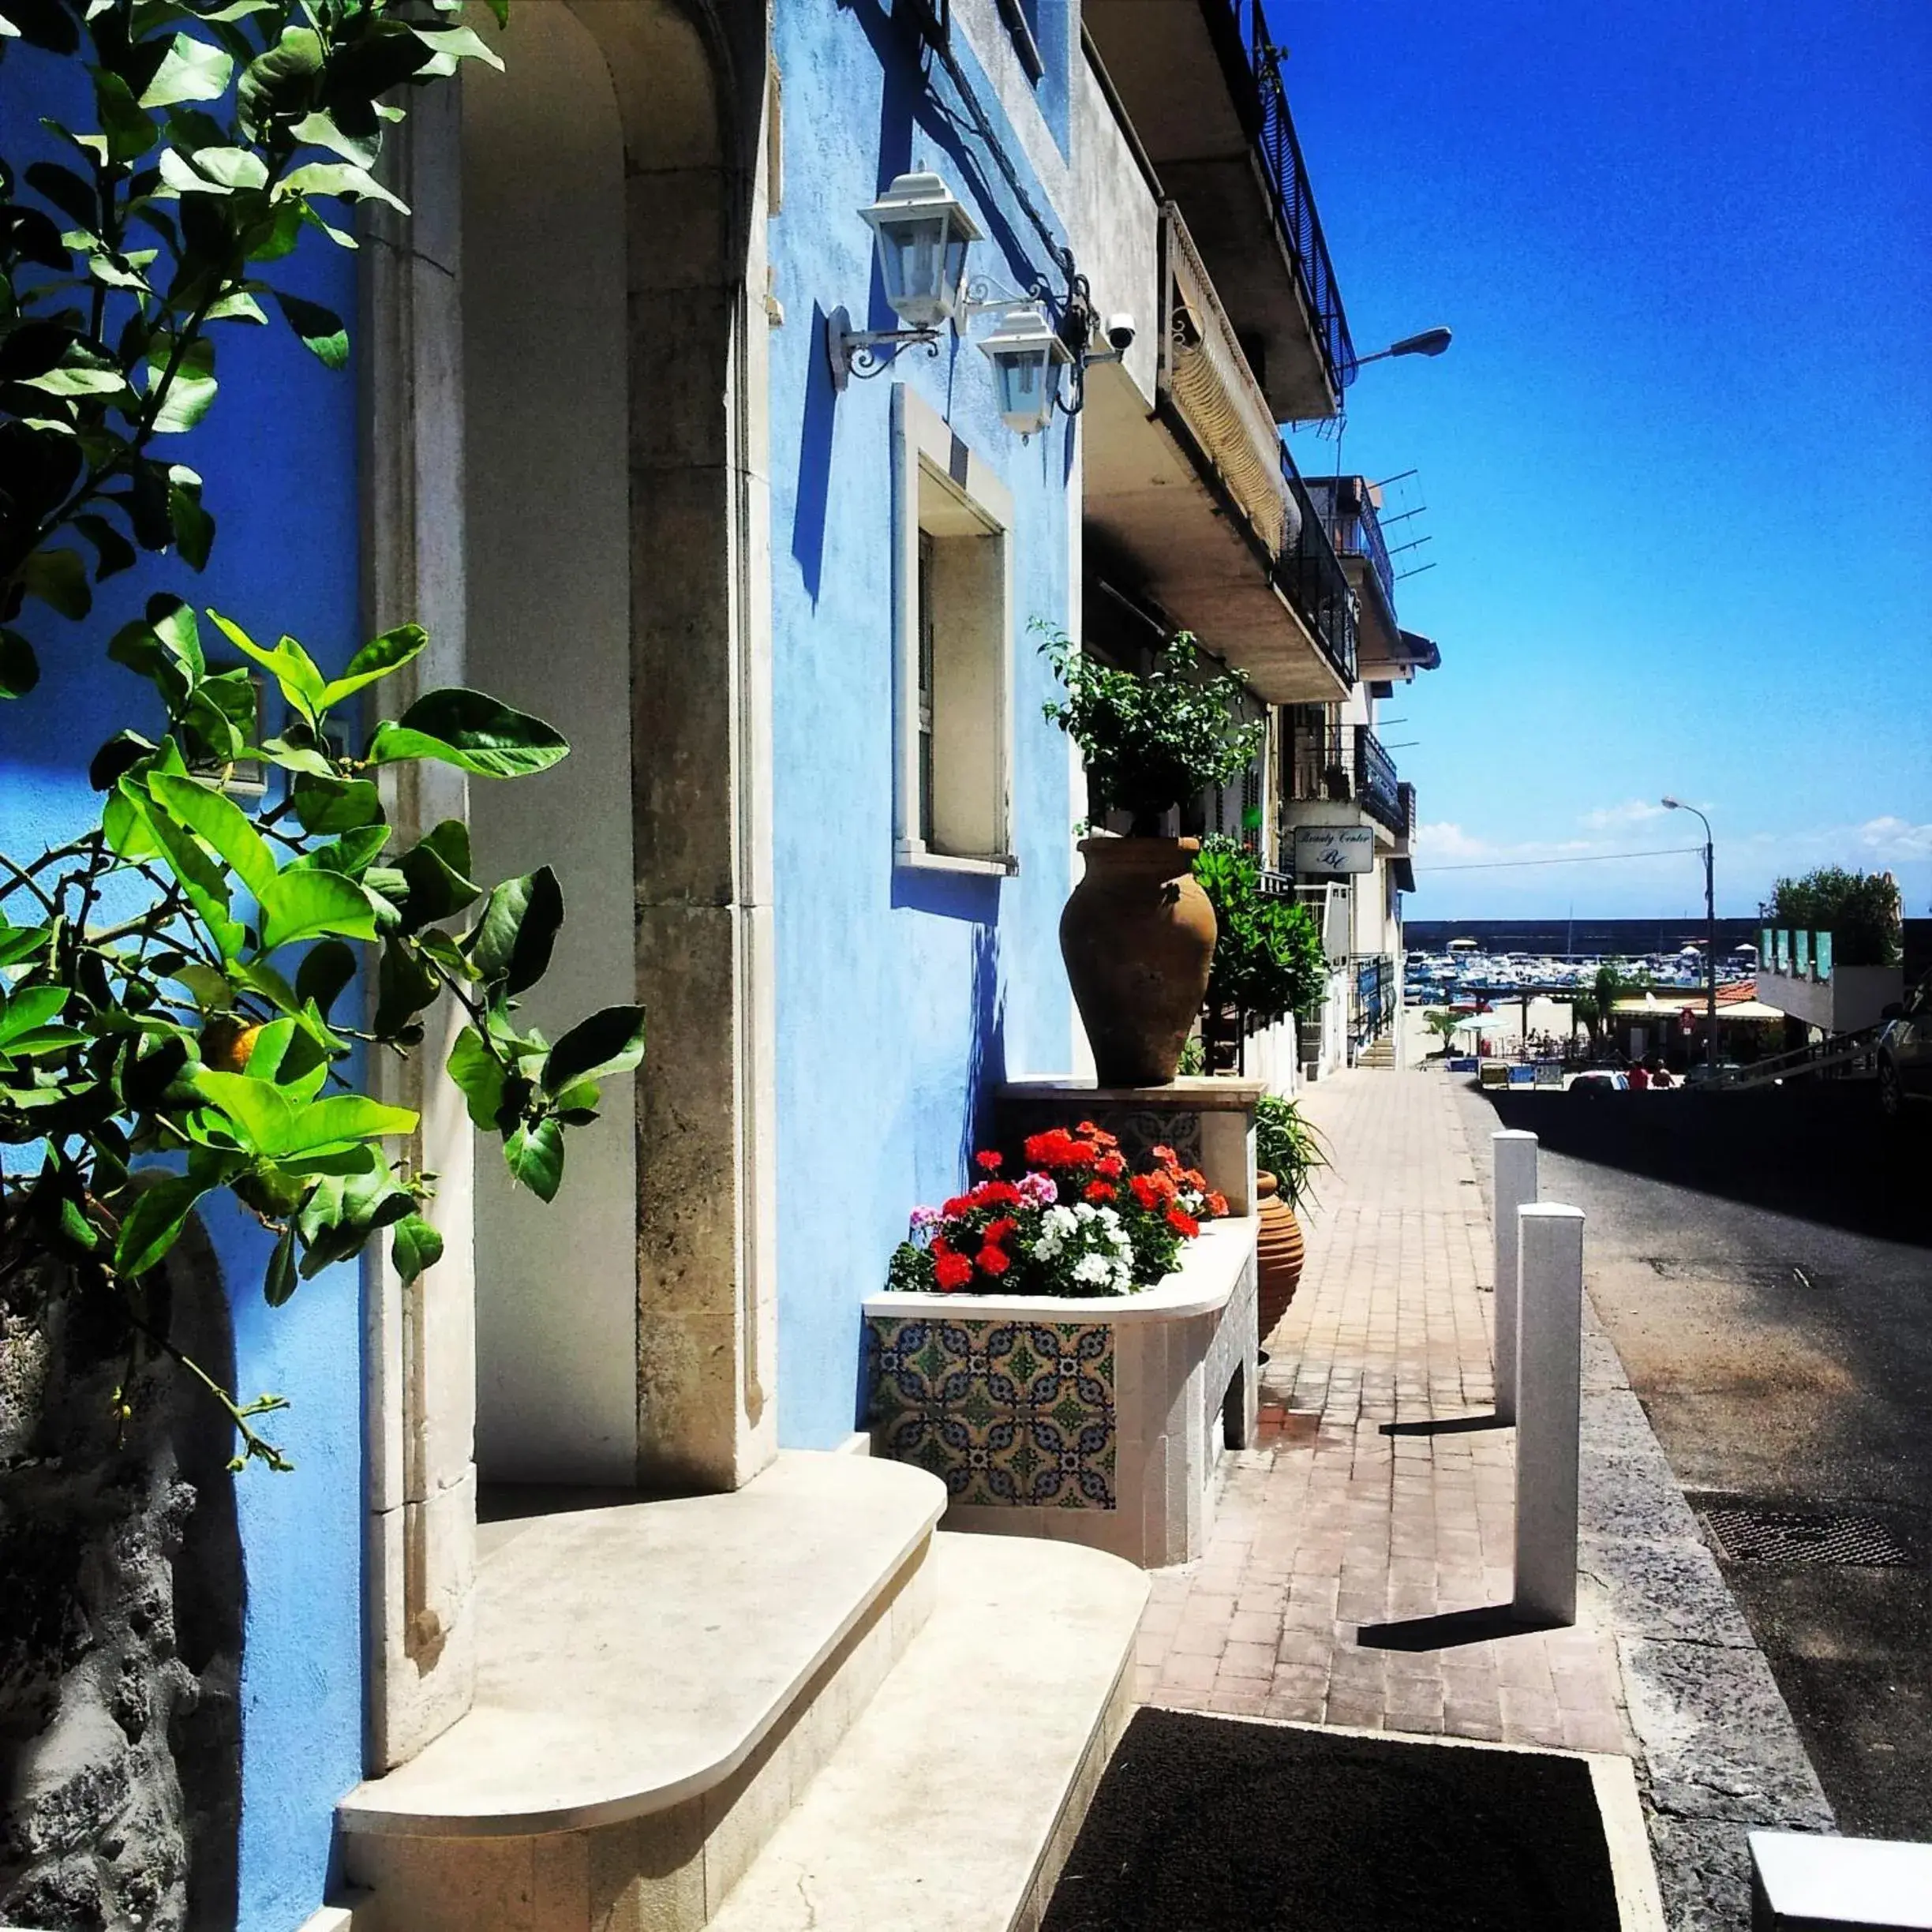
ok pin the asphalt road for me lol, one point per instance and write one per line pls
(1763, 1263)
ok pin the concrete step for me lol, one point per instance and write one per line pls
(952, 1803)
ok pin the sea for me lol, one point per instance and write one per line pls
(1592, 937)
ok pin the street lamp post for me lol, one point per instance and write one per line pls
(1430, 342)
(1710, 943)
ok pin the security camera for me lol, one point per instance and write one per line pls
(1120, 333)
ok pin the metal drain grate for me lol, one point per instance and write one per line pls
(1760, 1536)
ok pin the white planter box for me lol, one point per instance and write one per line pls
(1097, 1421)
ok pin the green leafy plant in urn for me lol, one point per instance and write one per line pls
(1138, 933)
(1287, 1152)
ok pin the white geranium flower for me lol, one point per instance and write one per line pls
(1093, 1268)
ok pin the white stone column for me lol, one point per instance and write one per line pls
(1515, 1186)
(1549, 1381)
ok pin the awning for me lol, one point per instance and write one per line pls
(1405, 875)
(1423, 653)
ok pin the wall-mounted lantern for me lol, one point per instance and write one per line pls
(922, 232)
(1028, 356)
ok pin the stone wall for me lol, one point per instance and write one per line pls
(120, 1623)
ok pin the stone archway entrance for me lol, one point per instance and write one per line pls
(575, 505)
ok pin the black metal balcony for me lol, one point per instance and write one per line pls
(1311, 575)
(1346, 764)
(1201, 84)
(1355, 528)
(1293, 198)
(1377, 790)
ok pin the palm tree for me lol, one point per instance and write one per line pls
(1444, 1025)
(1597, 1008)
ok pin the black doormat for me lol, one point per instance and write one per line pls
(1210, 1825)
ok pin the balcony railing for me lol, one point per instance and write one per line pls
(1293, 199)
(1406, 793)
(1358, 532)
(1312, 576)
(1376, 788)
(1346, 763)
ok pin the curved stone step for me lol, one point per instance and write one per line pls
(952, 1802)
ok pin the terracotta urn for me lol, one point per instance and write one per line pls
(1138, 938)
(1278, 1255)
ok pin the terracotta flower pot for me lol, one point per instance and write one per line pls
(1279, 1252)
(1138, 938)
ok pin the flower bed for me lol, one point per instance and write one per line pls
(1078, 1223)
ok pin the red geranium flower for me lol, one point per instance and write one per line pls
(958, 1205)
(952, 1271)
(1111, 1164)
(989, 1160)
(995, 1194)
(994, 1260)
(1217, 1204)
(1058, 1148)
(1099, 1191)
(1183, 1223)
(1144, 1190)
(997, 1231)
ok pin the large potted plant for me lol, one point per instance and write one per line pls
(1138, 934)
(1287, 1151)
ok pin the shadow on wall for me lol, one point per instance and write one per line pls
(1821, 1154)
(814, 467)
(121, 1620)
(986, 1066)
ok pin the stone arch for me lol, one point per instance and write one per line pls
(690, 83)
(690, 87)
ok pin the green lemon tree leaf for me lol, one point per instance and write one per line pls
(476, 733)
(608, 1042)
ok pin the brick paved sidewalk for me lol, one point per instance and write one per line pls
(1327, 1524)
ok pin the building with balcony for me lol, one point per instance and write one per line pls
(1194, 515)
(1195, 216)
(1199, 83)
(1346, 816)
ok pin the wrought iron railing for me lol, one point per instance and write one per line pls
(1346, 763)
(1312, 575)
(1373, 993)
(1376, 786)
(1358, 532)
(1293, 197)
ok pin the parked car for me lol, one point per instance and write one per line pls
(1597, 1079)
(1700, 1071)
(1904, 1050)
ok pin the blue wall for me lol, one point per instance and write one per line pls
(278, 453)
(901, 995)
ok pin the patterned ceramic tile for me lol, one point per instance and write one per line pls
(1002, 1412)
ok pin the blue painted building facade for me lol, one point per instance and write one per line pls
(899, 994)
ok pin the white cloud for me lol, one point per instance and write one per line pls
(1447, 843)
(1889, 837)
(1616, 818)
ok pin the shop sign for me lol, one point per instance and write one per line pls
(1334, 848)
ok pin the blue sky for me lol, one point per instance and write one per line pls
(1678, 463)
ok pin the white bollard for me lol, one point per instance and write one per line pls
(1515, 1186)
(1549, 1370)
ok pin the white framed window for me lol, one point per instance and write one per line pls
(953, 650)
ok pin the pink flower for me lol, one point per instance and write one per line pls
(926, 1217)
(1037, 1190)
